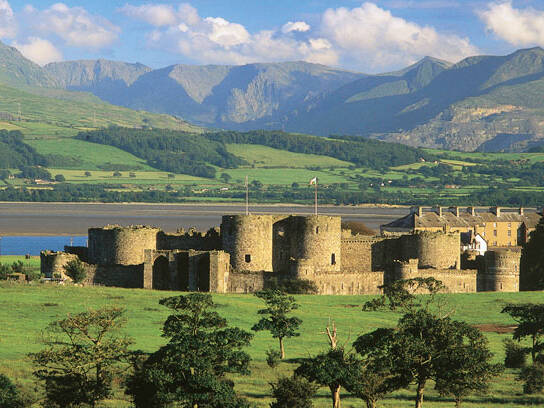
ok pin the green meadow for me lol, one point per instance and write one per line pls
(25, 310)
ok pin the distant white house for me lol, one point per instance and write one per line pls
(471, 242)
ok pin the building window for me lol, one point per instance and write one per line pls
(483, 233)
(495, 243)
(494, 233)
(509, 225)
(509, 233)
(317, 230)
(333, 259)
(248, 258)
(495, 224)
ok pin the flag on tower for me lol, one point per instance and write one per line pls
(313, 181)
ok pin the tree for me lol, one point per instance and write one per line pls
(533, 377)
(530, 319)
(293, 392)
(190, 369)
(466, 365)
(117, 174)
(4, 174)
(75, 270)
(532, 260)
(82, 356)
(329, 369)
(60, 178)
(279, 305)
(225, 177)
(88, 174)
(9, 397)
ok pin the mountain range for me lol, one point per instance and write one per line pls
(486, 103)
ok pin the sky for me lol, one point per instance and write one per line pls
(363, 36)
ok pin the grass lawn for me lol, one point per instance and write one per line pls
(90, 155)
(267, 156)
(33, 262)
(283, 175)
(26, 309)
(142, 177)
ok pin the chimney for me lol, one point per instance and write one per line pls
(417, 210)
(472, 211)
(497, 211)
(456, 211)
(438, 210)
(521, 211)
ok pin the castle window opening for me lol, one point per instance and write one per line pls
(248, 258)
(333, 259)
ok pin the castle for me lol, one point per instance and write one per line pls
(251, 252)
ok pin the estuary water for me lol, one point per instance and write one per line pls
(32, 245)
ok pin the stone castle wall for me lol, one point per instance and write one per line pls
(455, 280)
(115, 245)
(191, 239)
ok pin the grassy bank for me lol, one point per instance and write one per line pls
(26, 309)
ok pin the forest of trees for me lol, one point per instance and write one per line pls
(14, 153)
(168, 150)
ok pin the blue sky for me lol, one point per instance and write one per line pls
(372, 36)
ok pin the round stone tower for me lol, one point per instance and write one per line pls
(116, 245)
(52, 263)
(436, 250)
(248, 240)
(502, 270)
(318, 239)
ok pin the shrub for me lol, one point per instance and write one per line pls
(60, 178)
(273, 358)
(75, 270)
(515, 354)
(295, 286)
(293, 392)
(4, 272)
(88, 174)
(533, 377)
(17, 267)
(117, 174)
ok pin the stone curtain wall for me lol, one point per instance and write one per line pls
(455, 280)
(114, 245)
(191, 239)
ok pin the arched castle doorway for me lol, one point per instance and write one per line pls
(161, 274)
(203, 273)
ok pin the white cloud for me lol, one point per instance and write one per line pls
(301, 26)
(155, 14)
(7, 20)
(369, 35)
(75, 25)
(520, 27)
(39, 50)
(367, 38)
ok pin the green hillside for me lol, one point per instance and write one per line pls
(57, 115)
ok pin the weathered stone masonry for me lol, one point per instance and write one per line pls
(249, 252)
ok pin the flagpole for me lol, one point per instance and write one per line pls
(247, 197)
(315, 205)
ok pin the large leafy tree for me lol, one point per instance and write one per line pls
(83, 354)
(189, 371)
(530, 319)
(466, 367)
(277, 320)
(532, 260)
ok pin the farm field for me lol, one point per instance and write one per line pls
(26, 309)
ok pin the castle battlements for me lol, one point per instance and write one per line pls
(247, 252)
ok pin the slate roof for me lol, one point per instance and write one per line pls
(431, 219)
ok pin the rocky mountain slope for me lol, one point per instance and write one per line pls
(487, 103)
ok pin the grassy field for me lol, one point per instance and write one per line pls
(262, 156)
(26, 309)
